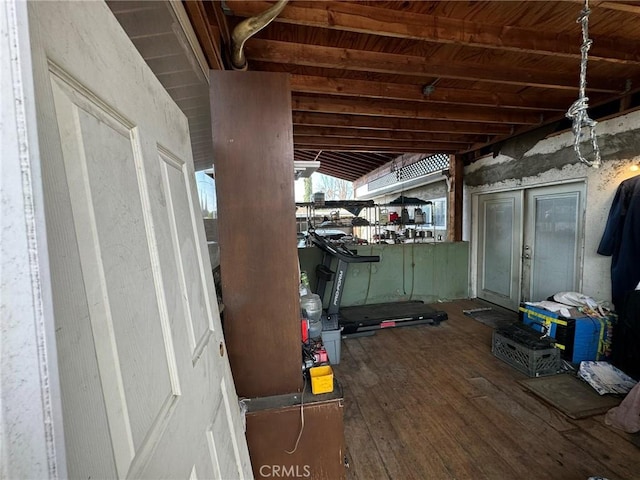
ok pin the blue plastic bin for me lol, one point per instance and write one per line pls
(579, 339)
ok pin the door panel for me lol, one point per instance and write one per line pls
(499, 228)
(146, 385)
(551, 243)
(100, 164)
(198, 309)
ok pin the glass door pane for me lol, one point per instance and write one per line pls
(498, 240)
(552, 241)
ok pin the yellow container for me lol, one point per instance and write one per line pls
(321, 379)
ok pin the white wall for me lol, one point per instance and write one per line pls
(424, 192)
(551, 161)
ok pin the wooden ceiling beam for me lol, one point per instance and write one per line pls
(335, 172)
(355, 106)
(304, 130)
(479, 98)
(343, 166)
(401, 124)
(353, 157)
(208, 35)
(339, 167)
(619, 6)
(355, 166)
(382, 158)
(364, 149)
(221, 19)
(352, 17)
(360, 60)
(370, 160)
(372, 144)
(305, 155)
(356, 149)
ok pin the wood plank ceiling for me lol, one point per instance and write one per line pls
(372, 80)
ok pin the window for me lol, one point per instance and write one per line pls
(207, 193)
(439, 212)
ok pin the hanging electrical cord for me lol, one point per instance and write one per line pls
(578, 111)
(295, 447)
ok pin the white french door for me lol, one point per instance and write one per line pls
(499, 241)
(552, 253)
(529, 243)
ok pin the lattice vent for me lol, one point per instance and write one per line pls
(430, 164)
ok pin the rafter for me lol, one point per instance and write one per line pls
(339, 167)
(376, 149)
(402, 124)
(346, 164)
(373, 144)
(455, 113)
(330, 132)
(620, 6)
(207, 34)
(479, 98)
(377, 158)
(352, 17)
(368, 61)
(339, 173)
(353, 157)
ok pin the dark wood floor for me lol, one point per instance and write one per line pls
(430, 402)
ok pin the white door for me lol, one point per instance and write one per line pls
(552, 249)
(529, 243)
(146, 386)
(499, 241)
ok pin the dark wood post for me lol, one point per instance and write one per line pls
(253, 160)
(456, 174)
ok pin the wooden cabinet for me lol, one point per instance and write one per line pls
(273, 426)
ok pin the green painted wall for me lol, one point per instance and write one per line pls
(430, 272)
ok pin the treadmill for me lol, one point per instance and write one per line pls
(363, 318)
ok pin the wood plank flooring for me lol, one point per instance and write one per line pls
(433, 403)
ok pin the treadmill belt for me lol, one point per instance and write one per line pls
(382, 315)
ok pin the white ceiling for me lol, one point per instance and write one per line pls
(163, 35)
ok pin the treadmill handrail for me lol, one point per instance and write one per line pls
(331, 249)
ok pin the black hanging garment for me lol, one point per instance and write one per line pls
(625, 351)
(621, 240)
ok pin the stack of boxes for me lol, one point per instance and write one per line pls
(538, 345)
(579, 339)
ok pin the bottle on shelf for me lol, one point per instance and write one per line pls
(311, 306)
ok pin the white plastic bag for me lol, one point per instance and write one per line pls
(575, 299)
(626, 416)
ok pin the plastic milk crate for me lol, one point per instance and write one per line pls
(579, 339)
(522, 348)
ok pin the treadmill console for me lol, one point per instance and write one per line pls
(340, 251)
